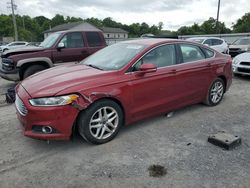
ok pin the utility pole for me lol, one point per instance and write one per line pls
(217, 20)
(13, 7)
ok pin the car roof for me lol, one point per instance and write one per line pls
(206, 38)
(150, 41)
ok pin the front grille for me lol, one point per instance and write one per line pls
(7, 64)
(245, 63)
(234, 49)
(240, 69)
(20, 106)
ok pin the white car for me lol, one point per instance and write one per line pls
(241, 64)
(218, 44)
(13, 45)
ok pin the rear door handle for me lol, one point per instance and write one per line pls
(209, 65)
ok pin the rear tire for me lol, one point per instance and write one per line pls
(32, 70)
(215, 92)
(100, 122)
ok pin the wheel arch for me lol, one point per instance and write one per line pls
(114, 99)
(24, 64)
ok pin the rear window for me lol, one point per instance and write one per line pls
(93, 39)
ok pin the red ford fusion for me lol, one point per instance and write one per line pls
(120, 84)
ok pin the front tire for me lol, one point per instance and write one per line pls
(32, 70)
(101, 122)
(215, 92)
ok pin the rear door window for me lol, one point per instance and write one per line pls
(191, 53)
(94, 39)
(216, 42)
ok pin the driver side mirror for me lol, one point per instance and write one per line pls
(147, 68)
(60, 45)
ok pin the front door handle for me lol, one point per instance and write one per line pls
(173, 71)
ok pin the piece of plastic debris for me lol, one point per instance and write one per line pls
(170, 114)
(225, 140)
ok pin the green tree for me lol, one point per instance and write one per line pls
(243, 24)
(57, 20)
(94, 21)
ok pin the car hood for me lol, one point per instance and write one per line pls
(244, 57)
(54, 80)
(22, 50)
(239, 46)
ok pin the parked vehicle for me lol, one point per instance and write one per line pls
(13, 45)
(121, 84)
(56, 49)
(218, 44)
(239, 46)
(241, 64)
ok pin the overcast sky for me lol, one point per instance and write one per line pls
(173, 13)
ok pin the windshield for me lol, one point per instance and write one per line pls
(113, 57)
(242, 42)
(50, 40)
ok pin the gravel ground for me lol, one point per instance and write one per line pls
(178, 143)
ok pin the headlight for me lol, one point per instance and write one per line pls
(246, 49)
(236, 61)
(54, 101)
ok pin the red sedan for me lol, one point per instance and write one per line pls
(121, 84)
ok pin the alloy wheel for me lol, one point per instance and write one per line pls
(103, 123)
(217, 91)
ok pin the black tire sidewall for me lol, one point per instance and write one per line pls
(32, 70)
(209, 100)
(85, 117)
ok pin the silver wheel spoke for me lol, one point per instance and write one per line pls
(105, 113)
(110, 114)
(110, 124)
(95, 126)
(98, 131)
(112, 119)
(102, 133)
(107, 129)
(96, 120)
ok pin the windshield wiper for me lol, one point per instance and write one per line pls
(93, 66)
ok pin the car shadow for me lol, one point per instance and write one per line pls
(242, 77)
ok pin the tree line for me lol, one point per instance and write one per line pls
(31, 29)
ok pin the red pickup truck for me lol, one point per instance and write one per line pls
(58, 48)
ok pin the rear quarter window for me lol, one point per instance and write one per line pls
(208, 53)
(191, 53)
(93, 39)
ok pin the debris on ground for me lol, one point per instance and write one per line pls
(11, 95)
(157, 171)
(170, 114)
(225, 140)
